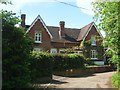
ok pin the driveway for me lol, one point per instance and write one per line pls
(98, 80)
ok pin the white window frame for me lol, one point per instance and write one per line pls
(94, 54)
(38, 37)
(53, 50)
(37, 49)
(61, 50)
(93, 41)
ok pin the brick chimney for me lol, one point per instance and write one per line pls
(62, 29)
(23, 16)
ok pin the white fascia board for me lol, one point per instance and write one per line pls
(38, 17)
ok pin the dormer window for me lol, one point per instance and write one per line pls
(38, 37)
(93, 41)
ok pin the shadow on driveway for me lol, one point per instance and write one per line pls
(57, 82)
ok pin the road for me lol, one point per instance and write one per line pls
(98, 80)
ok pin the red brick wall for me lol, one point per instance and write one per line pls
(46, 41)
(91, 33)
(60, 45)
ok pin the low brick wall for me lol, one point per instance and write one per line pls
(85, 71)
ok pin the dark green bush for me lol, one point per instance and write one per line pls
(41, 65)
(16, 48)
(116, 80)
(67, 61)
(89, 62)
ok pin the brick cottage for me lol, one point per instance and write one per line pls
(56, 39)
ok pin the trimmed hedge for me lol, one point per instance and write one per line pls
(67, 61)
(41, 65)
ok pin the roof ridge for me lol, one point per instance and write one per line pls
(65, 27)
(87, 25)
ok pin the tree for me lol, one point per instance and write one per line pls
(108, 15)
(5, 2)
(16, 48)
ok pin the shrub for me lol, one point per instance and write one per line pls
(16, 47)
(89, 62)
(41, 65)
(67, 61)
(116, 80)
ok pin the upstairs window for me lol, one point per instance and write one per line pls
(37, 37)
(93, 41)
(93, 54)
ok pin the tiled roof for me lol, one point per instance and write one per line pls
(27, 26)
(71, 34)
(83, 31)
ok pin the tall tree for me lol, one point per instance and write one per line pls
(5, 2)
(108, 15)
(16, 47)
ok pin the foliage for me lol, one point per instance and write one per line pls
(116, 80)
(16, 47)
(5, 2)
(41, 65)
(67, 61)
(89, 62)
(108, 14)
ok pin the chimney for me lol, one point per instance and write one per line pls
(23, 16)
(61, 28)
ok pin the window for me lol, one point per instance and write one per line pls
(53, 50)
(37, 49)
(93, 41)
(61, 50)
(37, 37)
(93, 54)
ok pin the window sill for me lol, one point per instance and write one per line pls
(38, 42)
(93, 44)
(94, 58)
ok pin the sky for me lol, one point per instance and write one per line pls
(52, 11)
(76, 15)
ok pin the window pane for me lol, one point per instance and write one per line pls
(37, 36)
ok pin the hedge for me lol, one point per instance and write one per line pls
(41, 65)
(67, 61)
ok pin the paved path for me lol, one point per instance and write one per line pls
(99, 80)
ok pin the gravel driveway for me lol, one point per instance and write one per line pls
(99, 80)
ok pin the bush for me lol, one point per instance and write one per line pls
(67, 61)
(16, 48)
(116, 80)
(41, 65)
(89, 62)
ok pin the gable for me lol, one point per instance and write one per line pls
(92, 32)
(83, 31)
(38, 21)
